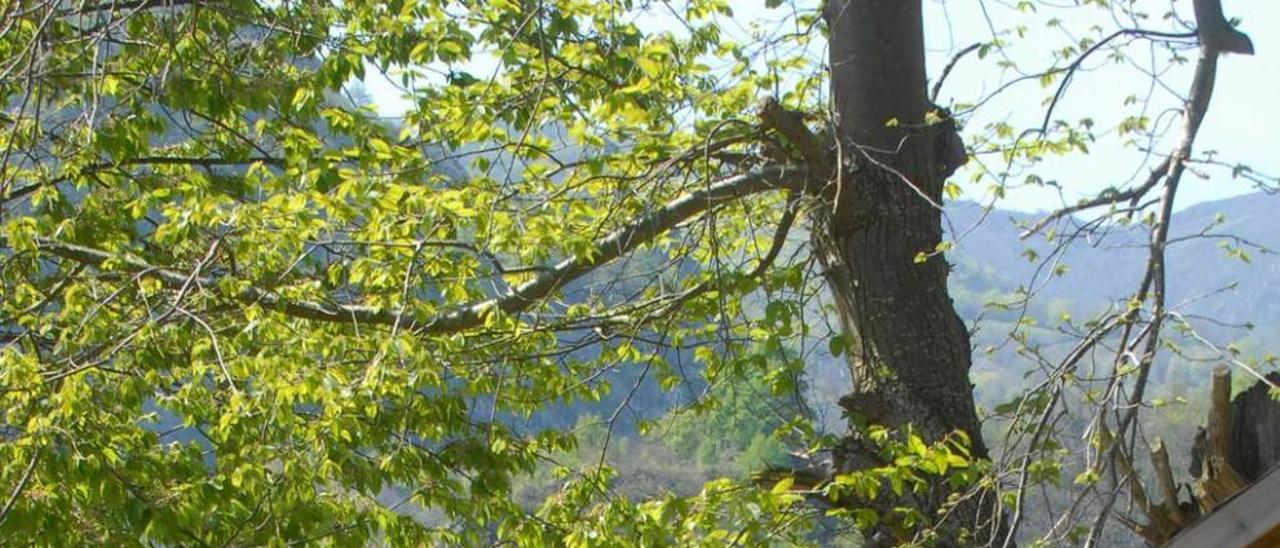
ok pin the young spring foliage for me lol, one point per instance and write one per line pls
(239, 307)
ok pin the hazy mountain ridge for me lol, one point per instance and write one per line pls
(990, 255)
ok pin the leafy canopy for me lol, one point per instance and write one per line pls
(241, 307)
(238, 306)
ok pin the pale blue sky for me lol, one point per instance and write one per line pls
(1242, 123)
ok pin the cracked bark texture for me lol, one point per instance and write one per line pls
(910, 352)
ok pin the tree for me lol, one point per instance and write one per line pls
(240, 309)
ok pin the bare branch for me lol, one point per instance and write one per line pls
(1106, 198)
(951, 65)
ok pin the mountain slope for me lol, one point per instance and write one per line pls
(1201, 260)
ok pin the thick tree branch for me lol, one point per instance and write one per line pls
(522, 297)
(791, 126)
(1216, 34)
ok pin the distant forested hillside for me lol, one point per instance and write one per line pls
(1218, 245)
(1223, 281)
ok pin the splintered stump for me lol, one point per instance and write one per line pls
(1238, 445)
(1216, 480)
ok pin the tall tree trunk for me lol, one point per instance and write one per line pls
(909, 352)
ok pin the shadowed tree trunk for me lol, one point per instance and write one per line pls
(909, 352)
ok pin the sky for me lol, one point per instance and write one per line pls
(1241, 124)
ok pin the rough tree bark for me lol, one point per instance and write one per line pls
(910, 353)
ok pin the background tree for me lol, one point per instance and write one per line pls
(239, 309)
